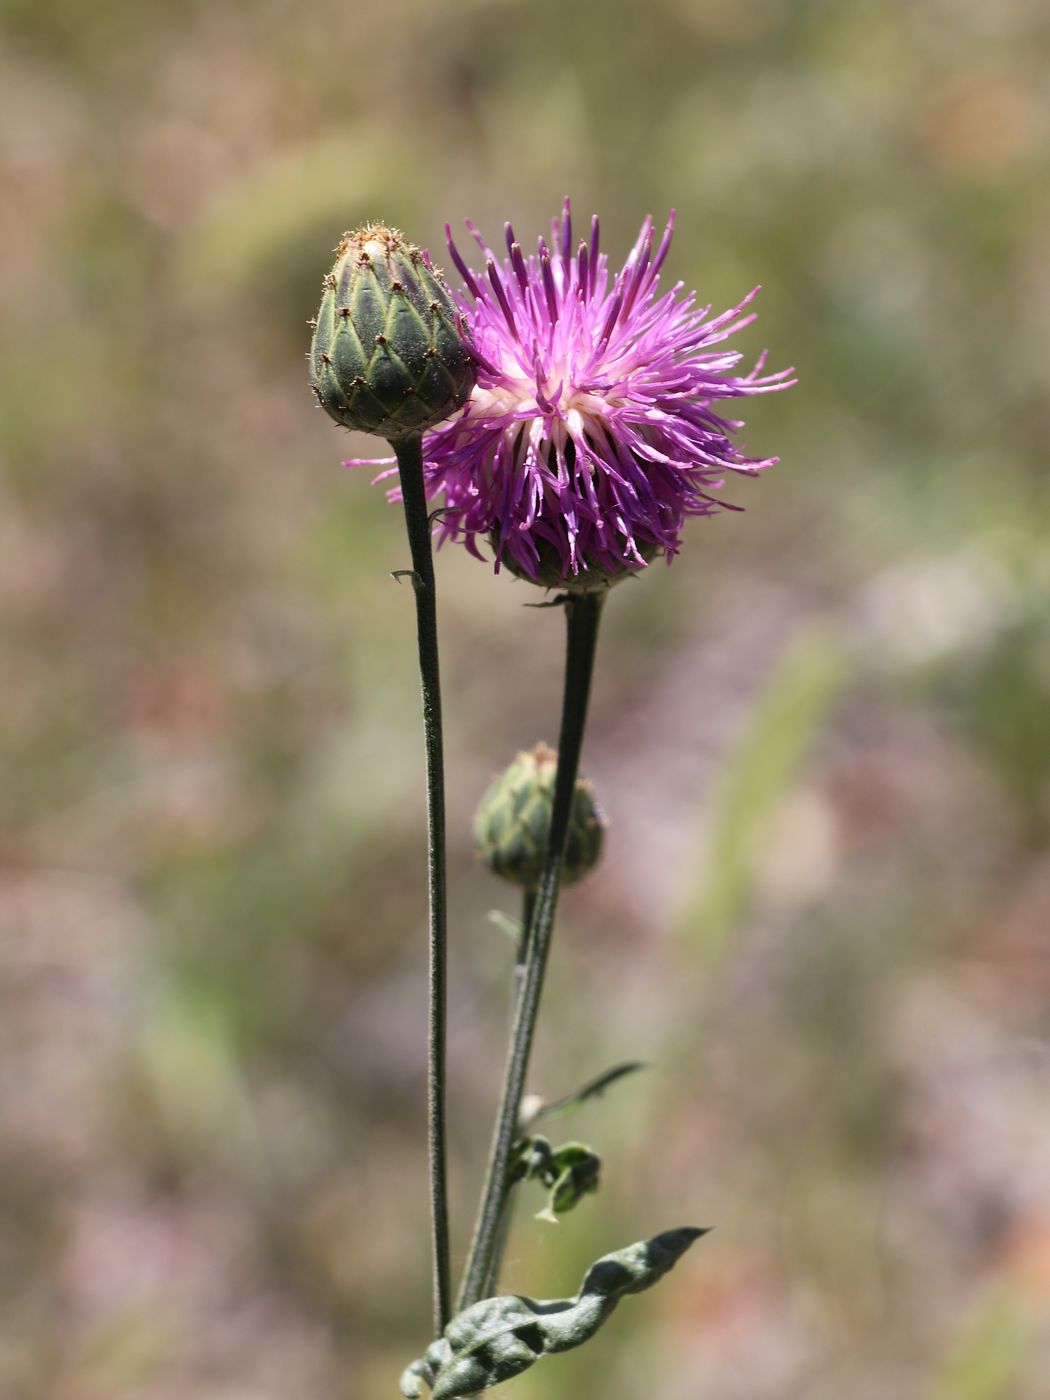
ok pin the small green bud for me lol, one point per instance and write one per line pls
(512, 823)
(388, 354)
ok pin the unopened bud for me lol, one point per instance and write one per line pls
(388, 353)
(512, 824)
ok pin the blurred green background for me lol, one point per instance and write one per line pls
(823, 737)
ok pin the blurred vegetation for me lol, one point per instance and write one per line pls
(822, 737)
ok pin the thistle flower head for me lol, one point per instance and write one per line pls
(592, 432)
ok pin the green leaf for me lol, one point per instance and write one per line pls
(505, 924)
(592, 1089)
(569, 1173)
(498, 1338)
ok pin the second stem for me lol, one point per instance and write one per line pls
(582, 615)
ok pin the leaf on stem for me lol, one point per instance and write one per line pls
(569, 1173)
(505, 924)
(593, 1089)
(498, 1338)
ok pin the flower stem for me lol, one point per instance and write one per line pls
(528, 906)
(409, 454)
(521, 954)
(582, 615)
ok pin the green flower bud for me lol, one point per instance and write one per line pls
(388, 353)
(513, 821)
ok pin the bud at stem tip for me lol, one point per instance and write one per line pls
(389, 354)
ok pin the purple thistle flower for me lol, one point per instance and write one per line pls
(591, 434)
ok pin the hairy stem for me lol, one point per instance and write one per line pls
(410, 465)
(521, 956)
(528, 906)
(582, 615)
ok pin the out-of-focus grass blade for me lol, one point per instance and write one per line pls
(766, 761)
(989, 1356)
(337, 179)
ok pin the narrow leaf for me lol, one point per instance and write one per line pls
(505, 924)
(592, 1089)
(498, 1338)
